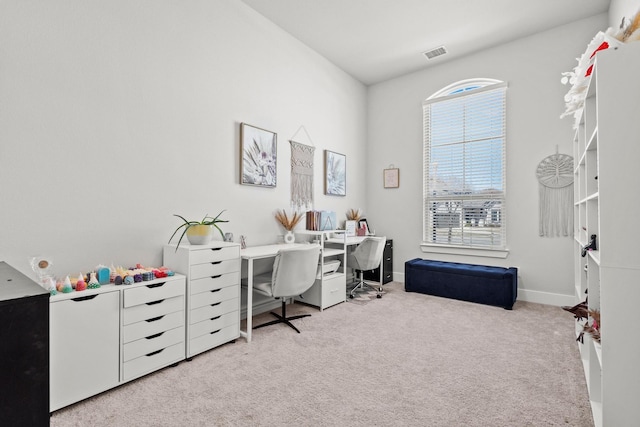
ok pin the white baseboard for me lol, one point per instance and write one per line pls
(546, 298)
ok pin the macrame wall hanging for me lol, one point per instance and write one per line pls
(302, 173)
(555, 178)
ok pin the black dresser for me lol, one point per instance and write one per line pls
(387, 266)
(24, 352)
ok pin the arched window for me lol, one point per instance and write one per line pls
(464, 166)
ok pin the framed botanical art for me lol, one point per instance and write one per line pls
(258, 156)
(391, 178)
(335, 173)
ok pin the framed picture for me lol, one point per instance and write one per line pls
(391, 178)
(258, 156)
(335, 174)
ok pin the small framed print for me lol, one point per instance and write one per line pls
(391, 178)
(258, 156)
(335, 174)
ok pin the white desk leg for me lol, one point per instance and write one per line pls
(249, 298)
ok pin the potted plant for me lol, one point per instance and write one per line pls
(198, 232)
(288, 224)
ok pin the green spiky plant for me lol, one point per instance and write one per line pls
(207, 220)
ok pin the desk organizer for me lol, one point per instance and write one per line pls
(467, 282)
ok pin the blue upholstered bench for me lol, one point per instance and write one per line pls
(467, 282)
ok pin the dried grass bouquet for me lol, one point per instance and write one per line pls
(288, 223)
(354, 214)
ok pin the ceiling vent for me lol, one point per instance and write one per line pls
(430, 54)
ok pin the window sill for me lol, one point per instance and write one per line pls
(452, 250)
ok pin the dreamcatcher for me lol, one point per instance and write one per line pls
(555, 178)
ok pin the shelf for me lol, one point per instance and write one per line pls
(593, 140)
(333, 275)
(593, 196)
(596, 409)
(606, 161)
(580, 161)
(327, 252)
(317, 232)
(598, 348)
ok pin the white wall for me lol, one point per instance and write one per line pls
(622, 8)
(532, 67)
(114, 115)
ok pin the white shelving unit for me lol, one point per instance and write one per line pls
(607, 154)
(330, 288)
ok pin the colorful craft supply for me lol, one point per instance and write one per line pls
(118, 280)
(52, 286)
(128, 280)
(103, 275)
(81, 285)
(93, 281)
(137, 277)
(147, 275)
(66, 286)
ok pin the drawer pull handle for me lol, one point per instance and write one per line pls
(213, 305)
(155, 302)
(216, 249)
(154, 319)
(215, 318)
(150, 337)
(215, 332)
(216, 290)
(156, 285)
(87, 298)
(154, 352)
(216, 262)
(216, 277)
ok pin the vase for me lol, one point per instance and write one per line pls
(199, 234)
(289, 237)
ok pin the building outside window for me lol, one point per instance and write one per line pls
(464, 166)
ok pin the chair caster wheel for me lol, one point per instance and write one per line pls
(351, 296)
(378, 296)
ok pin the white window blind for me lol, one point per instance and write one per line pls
(464, 168)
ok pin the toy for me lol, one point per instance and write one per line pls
(103, 274)
(93, 281)
(66, 286)
(81, 285)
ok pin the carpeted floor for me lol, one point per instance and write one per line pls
(406, 359)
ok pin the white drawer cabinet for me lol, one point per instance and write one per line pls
(84, 342)
(213, 292)
(153, 325)
(101, 338)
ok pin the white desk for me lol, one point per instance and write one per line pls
(251, 254)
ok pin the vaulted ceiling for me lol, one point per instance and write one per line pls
(375, 40)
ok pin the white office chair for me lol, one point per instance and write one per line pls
(367, 256)
(294, 271)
